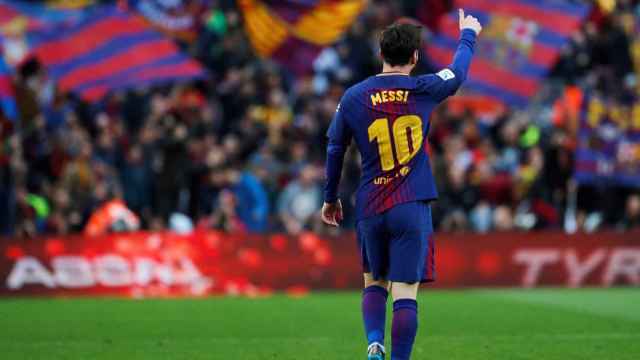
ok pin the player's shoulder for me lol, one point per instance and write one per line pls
(353, 97)
(357, 90)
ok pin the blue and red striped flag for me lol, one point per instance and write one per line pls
(7, 96)
(521, 41)
(111, 50)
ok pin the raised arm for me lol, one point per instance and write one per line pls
(446, 82)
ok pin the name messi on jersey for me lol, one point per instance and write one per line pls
(386, 96)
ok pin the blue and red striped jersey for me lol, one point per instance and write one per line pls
(388, 117)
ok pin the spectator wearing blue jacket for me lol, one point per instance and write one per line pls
(251, 199)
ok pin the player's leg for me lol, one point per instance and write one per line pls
(410, 263)
(374, 314)
(375, 293)
(370, 281)
(405, 319)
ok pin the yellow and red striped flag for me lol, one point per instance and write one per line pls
(293, 32)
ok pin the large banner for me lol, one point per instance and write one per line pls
(294, 32)
(212, 263)
(520, 42)
(111, 50)
(92, 50)
(608, 150)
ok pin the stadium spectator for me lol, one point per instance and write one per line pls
(632, 212)
(300, 200)
(112, 216)
(224, 217)
(252, 201)
(136, 177)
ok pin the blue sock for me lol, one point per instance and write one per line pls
(404, 328)
(374, 308)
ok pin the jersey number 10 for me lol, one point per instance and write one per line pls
(379, 130)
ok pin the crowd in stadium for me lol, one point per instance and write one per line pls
(244, 150)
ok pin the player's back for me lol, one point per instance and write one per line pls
(388, 115)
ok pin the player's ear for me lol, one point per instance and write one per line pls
(416, 56)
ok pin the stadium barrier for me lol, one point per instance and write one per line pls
(149, 264)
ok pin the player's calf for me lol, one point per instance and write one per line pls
(405, 319)
(374, 308)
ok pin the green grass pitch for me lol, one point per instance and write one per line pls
(467, 324)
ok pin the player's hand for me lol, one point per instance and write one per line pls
(469, 22)
(332, 213)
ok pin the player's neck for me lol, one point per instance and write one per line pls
(396, 70)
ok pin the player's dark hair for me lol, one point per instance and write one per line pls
(398, 42)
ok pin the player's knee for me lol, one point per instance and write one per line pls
(404, 291)
(370, 281)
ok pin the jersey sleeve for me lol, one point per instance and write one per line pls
(339, 136)
(446, 82)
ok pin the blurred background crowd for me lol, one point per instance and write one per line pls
(243, 150)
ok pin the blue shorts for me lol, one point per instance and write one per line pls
(397, 245)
